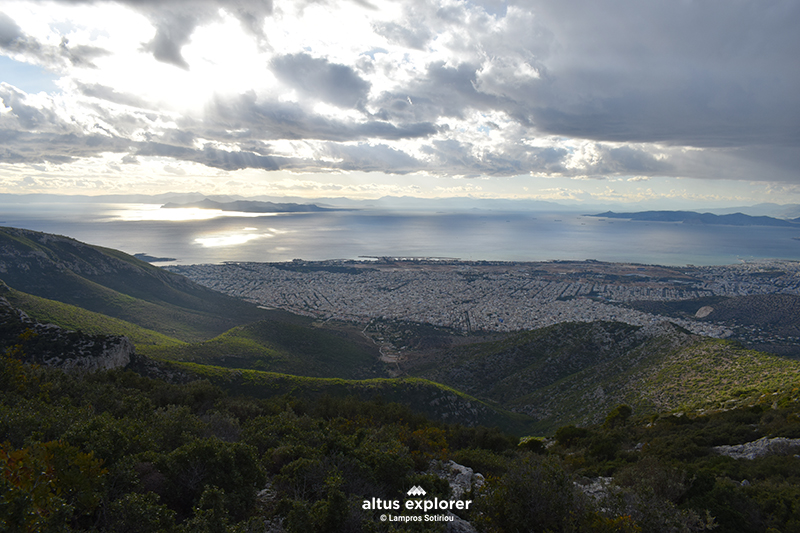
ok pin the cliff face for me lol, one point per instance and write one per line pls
(47, 344)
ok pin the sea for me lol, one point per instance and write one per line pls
(192, 236)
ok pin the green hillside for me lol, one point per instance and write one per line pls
(75, 318)
(279, 346)
(434, 400)
(575, 373)
(765, 322)
(116, 284)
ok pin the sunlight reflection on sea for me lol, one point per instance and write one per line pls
(213, 236)
(140, 212)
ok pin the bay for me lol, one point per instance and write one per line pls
(200, 236)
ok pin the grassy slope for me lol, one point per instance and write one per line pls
(75, 318)
(279, 346)
(118, 285)
(433, 399)
(718, 374)
(504, 370)
(706, 376)
(541, 374)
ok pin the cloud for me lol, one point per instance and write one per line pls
(371, 158)
(273, 120)
(96, 90)
(212, 157)
(541, 87)
(14, 41)
(176, 20)
(10, 33)
(713, 74)
(319, 79)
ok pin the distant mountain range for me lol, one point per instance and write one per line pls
(249, 206)
(780, 211)
(691, 217)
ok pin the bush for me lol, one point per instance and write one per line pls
(536, 495)
(191, 469)
(568, 436)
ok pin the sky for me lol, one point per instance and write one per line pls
(672, 103)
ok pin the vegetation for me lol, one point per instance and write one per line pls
(628, 418)
(575, 373)
(278, 346)
(75, 318)
(115, 451)
(117, 285)
(434, 400)
(769, 322)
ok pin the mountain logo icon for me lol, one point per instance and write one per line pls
(416, 491)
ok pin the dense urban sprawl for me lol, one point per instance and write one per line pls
(487, 296)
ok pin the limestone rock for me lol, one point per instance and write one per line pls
(461, 478)
(759, 448)
(459, 525)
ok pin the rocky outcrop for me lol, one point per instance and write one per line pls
(760, 448)
(596, 488)
(48, 344)
(93, 354)
(462, 480)
(459, 525)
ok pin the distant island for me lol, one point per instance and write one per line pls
(691, 217)
(150, 259)
(250, 206)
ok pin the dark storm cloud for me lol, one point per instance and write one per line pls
(444, 91)
(38, 147)
(453, 157)
(626, 159)
(285, 120)
(32, 148)
(369, 158)
(15, 41)
(715, 73)
(719, 74)
(318, 78)
(210, 157)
